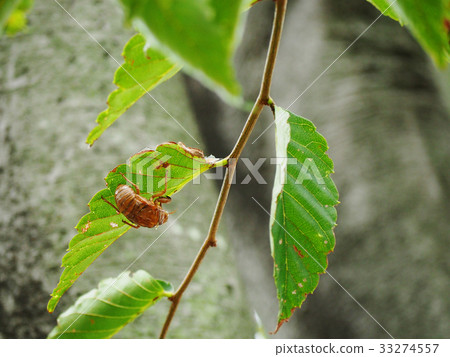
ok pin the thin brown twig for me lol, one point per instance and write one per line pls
(262, 100)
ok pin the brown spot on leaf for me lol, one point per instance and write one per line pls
(162, 164)
(298, 251)
(86, 227)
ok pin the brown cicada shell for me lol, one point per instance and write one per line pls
(139, 210)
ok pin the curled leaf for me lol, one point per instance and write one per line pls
(104, 311)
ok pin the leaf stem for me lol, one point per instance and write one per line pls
(262, 100)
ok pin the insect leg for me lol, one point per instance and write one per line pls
(161, 193)
(131, 225)
(134, 185)
(163, 200)
(104, 199)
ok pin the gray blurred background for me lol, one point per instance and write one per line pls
(381, 107)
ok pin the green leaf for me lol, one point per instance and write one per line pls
(96, 231)
(103, 312)
(249, 3)
(201, 35)
(142, 71)
(302, 212)
(6, 8)
(13, 15)
(149, 170)
(428, 21)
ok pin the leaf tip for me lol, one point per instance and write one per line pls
(90, 140)
(280, 323)
(52, 304)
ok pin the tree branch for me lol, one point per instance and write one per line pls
(262, 100)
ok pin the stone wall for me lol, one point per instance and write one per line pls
(54, 81)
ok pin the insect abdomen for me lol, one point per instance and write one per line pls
(125, 200)
(138, 209)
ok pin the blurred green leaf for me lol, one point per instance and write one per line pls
(103, 312)
(428, 21)
(149, 170)
(6, 8)
(13, 15)
(143, 70)
(249, 3)
(201, 35)
(302, 213)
